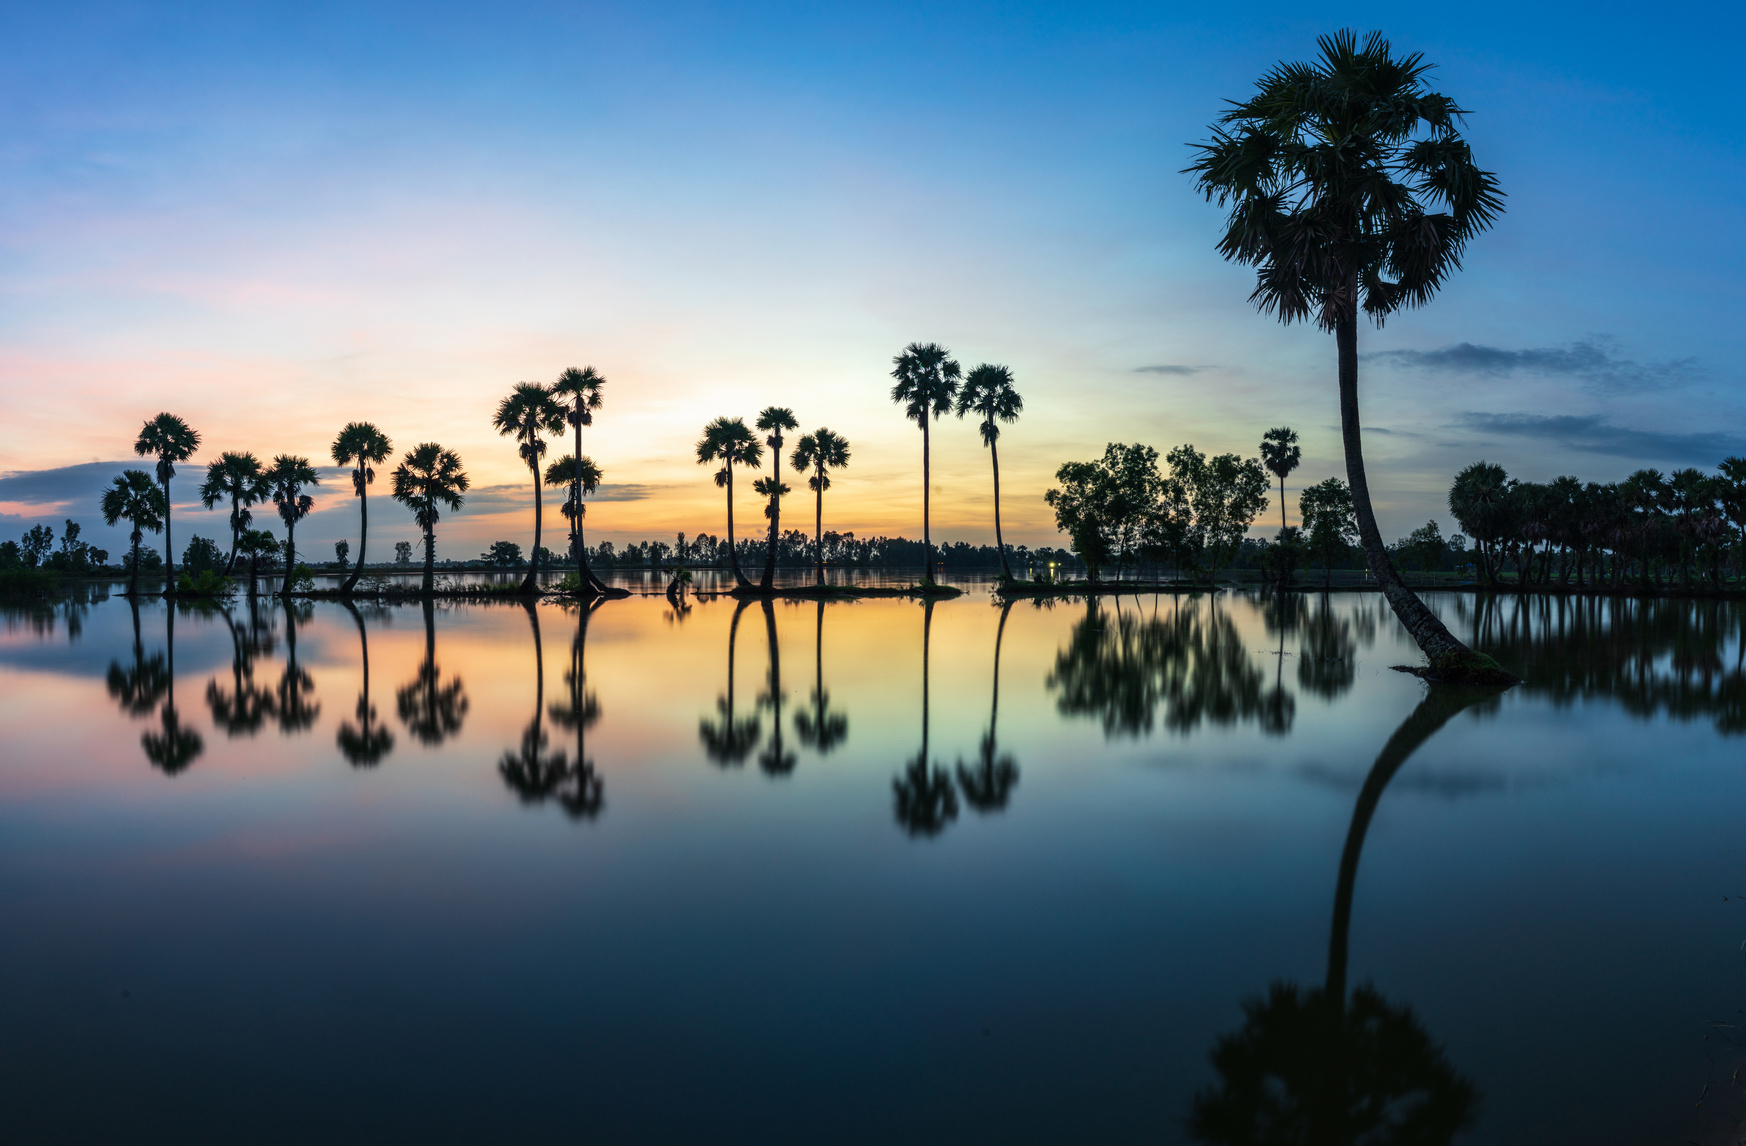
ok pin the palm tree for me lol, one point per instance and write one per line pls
(367, 742)
(821, 729)
(288, 475)
(431, 708)
(139, 686)
(533, 773)
(358, 445)
(927, 381)
(293, 702)
(529, 411)
(582, 389)
(1280, 454)
(428, 478)
(988, 394)
(730, 740)
(775, 760)
(255, 544)
(925, 803)
(774, 419)
(1333, 172)
(245, 707)
(133, 497)
(728, 441)
(239, 479)
(582, 793)
(819, 451)
(172, 747)
(583, 478)
(170, 440)
(989, 785)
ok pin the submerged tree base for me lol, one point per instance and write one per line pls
(1465, 667)
(1092, 588)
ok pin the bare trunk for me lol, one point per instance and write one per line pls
(429, 562)
(169, 547)
(740, 581)
(531, 582)
(1432, 637)
(235, 537)
(363, 535)
(1005, 566)
(133, 575)
(927, 540)
(775, 516)
(818, 527)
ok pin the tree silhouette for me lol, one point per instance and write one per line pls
(1332, 173)
(988, 786)
(927, 381)
(728, 441)
(775, 760)
(170, 440)
(773, 420)
(240, 480)
(728, 740)
(362, 446)
(530, 771)
(529, 411)
(427, 479)
(431, 708)
(138, 687)
(988, 394)
(288, 475)
(365, 743)
(581, 793)
(1280, 453)
(581, 478)
(581, 388)
(924, 801)
(819, 451)
(132, 497)
(171, 748)
(820, 729)
(294, 705)
(242, 709)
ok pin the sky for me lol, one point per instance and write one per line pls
(276, 219)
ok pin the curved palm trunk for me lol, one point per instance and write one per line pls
(133, 575)
(429, 561)
(235, 534)
(999, 543)
(818, 527)
(999, 636)
(531, 583)
(533, 620)
(740, 581)
(169, 546)
(577, 544)
(1440, 704)
(927, 539)
(733, 639)
(363, 535)
(1439, 645)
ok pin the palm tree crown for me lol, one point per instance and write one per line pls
(170, 440)
(288, 475)
(927, 381)
(358, 445)
(133, 498)
(1280, 453)
(240, 480)
(730, 442)
(988, 393)
(774, 419)
(427, 479)
(529, 411)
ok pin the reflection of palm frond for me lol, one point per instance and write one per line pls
(365, 743)
(988, 786)
(821, 729)
(731, 739)
(173, 748)
(432, 709)
(241, 712)
(925, 802)
(532, 773)
(581, 793)
(293, 701)
(140, 686)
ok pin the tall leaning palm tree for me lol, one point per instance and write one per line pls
(1349, 185)
(170, 440)
(773, 420)
(1280, 453)
(288, 475)
(730, 442)
(581, 389)
(820, 452)
(528, 412)
(927, 381)
(988, 394)
(240, 480)
(133, 498)
(359, 445)
(427, 479)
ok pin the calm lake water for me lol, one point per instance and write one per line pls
(864, 872)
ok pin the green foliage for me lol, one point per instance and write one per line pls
(1329, 522)
(201, 555)
(209, 583)
(16, 581)
(38, 539)
(1282, 557)
(503, 554)
(403, 553)
(341, 549)
(1225, 494)
(302, 578)
(10, 555)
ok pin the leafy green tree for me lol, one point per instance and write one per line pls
(1280, 453)
(1731, 497)
(1479, 502)
(403, 553)
(1105, 506)
(255, 544)
(132, 497)
(820, 451)
(1226, 494)
(729, 442)
(927, 382)
(503, 554)
(1424, 547)
(288, 475)
(363, 447)
(581, 389)
(773, 420)
(428, 479)
(529, 411)
(239, 479)
(38, 540)
(1326, 511)
(1349, 185)
(201, 555)
(988, 393)
(341, 551)
(170, 440)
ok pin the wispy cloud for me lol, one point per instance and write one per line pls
(1593, 435)
(63, 484)
(1594, 362)
(1170, 368)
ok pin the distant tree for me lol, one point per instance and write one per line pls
(201, 554)
(256, 544)
(730, 442)
(1280, 454)
(133, 498)
(288, 476)
(170, 440)
(428, 479)
(529, 411)
(773, 420)
(1424, 546)
(341, 550)
(503, 554)
(1105, 506)
(38, 540)
(362, 446)
(11, 557)
(1479, 502)
(239, 479)
(1326, 511)
(988, 393)
(1349, 184)
(927, 382)
(1226, 494)
(403, 553)
(820, 451)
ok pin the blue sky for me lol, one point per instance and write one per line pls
(274, 220)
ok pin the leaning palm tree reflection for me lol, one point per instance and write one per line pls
(139, 686)
(820, 729)
(365, 743)
(431, 708)
(171, 748)
(925, 802)
(533, 773)
(775, 760)
(728, 740)
(581, 793)
(1312, 1066)
(243, 708)
(294, 704)
(989, 784)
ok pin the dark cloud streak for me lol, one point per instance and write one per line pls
(1594, 362)
(1592, 435)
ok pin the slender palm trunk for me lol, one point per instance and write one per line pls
(927, 482)
(775, 516)
(733, 639)
(740, 581)
(533, 620)
(818, 669)
(1432, 637)
(429, 561)
(1282, 525)
(927, 640)
(363, 533)
(578, 543)
(818, 526)
(999, 543)
(235, 534)
(169, 547)
(290, 556)
(531, 583)
(999, 636)
(133, 574)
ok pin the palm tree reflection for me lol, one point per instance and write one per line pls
(989, 785)
(925, 802)
(365, 743)
(294, 704)
(171, 748)
(820, 729)
(581, 793)
(431, 708)
(728, 740)
(775, 760)
(139, 686)
(1311, 1065)
(242, 709)
(532, 772)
